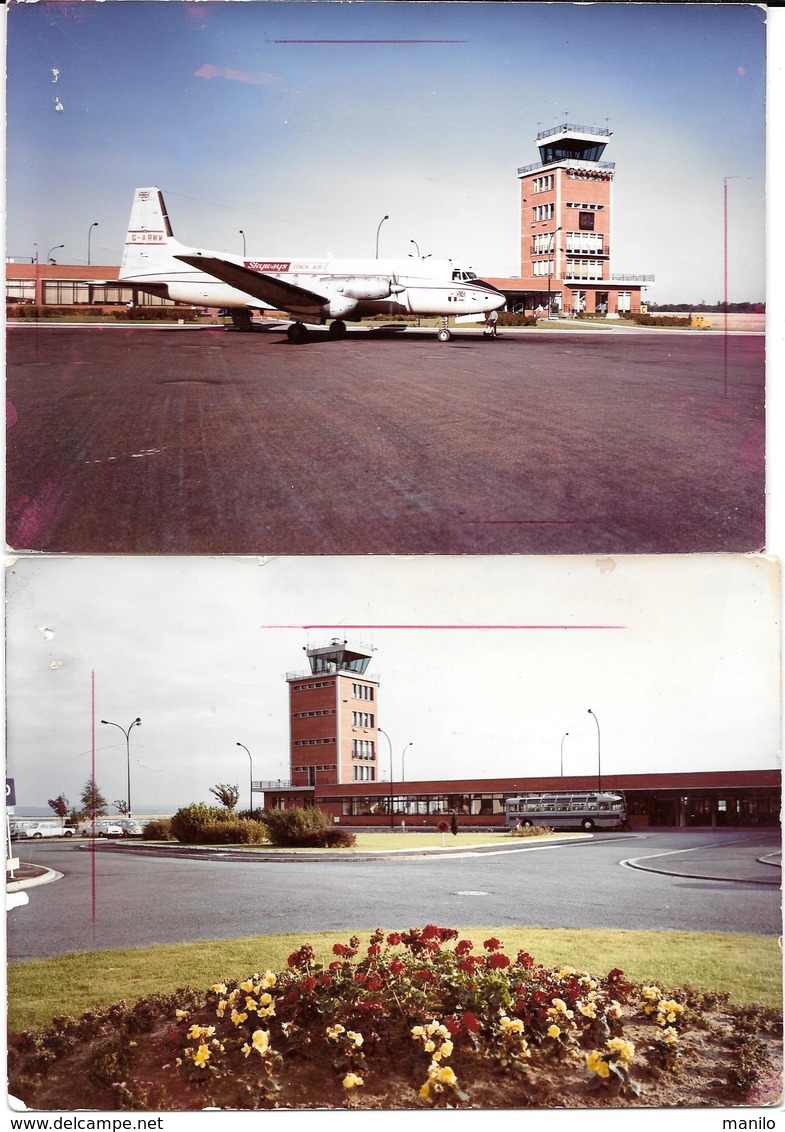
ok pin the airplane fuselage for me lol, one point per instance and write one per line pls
(363, 287)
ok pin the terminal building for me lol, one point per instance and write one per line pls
(566, 244)
(335, 764)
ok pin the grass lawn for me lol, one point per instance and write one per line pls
(749, 967)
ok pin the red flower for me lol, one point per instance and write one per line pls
(394, 938)
(463, 946)
(423, 975)
(396, 967)
(498, 961)
(492, 944)
(374, 949)
(470, 964)
(470, 1022)
(524, 959)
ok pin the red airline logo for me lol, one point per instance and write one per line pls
(266, 265)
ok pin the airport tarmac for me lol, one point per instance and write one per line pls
(131, 440)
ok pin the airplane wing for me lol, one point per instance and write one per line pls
(276, 292)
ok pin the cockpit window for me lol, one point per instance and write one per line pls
(459, 275)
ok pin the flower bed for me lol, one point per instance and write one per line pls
(416, 1019)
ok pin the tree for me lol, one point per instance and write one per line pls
(94, 805)
(227, 795)
(121, 806)
(60, 806)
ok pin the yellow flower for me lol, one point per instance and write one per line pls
(512, 1024)
(247, 986)
(588, 1009)
(446, 1076)
(670, 1036)
(425, 1090)
(334, 1032)
(603, 1070)
(201, 1031)
(180, 1014)
(614, 1010)
(237, 1018)
(201, 1057)
(429, 1046)
(261, 1041)
(446, 1049)
(221, 1007)
(418, 1031)
(353, 1036)
(623, 1048)
(269, 979)
(219, 988)
(351, 1081)
(553, 1031)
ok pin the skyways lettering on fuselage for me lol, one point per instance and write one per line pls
(283, 266)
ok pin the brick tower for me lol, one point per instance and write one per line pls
(333, 718)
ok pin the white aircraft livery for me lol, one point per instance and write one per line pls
(314, 290)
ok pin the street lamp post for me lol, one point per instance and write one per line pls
(389, 740)
(54, 249)
(417, 246)
(127, 732)
(555, 251)
(243, 236)
(561, 760)
(250, 796)
(378, 230)
(403, 756)
(599, 759)
(89, 234)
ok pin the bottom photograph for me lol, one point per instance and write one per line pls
(386, 834)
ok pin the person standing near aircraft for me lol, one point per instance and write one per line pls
(491, 318)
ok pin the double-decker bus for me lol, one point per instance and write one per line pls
(586, 810)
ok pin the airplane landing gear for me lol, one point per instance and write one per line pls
(443, 334)
(337, 329)
(297, 333)
(241, 320)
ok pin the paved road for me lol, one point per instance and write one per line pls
(142, 900)
(147, 441)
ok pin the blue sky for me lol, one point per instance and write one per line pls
(677, 658)
(305, 146)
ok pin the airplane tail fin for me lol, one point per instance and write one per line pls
(149, 243)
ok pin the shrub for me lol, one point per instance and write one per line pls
(199, 824)
(530, 831)
(507, 318)
(289, 827)
(328, 839)
(160, 829)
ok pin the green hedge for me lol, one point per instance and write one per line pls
(199, 824)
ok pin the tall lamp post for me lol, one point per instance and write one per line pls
(561, 757)
(54, 249)
(417, 246)
(127, 732)
(389, 740)
(89, 234)
(250, 796)
(378, 230)
(403, 756)
(243, 236)
(555, 251)
(599, 760)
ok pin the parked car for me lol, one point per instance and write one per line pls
(131, 827)
(103, 828)
(39, 829)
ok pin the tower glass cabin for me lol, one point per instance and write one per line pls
(333, 717)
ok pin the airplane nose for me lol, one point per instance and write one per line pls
(492, 294)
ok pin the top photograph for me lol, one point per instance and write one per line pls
(385, 278)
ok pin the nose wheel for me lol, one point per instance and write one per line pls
(443, 334)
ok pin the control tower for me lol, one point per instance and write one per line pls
(566, 222)
(333, 735)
